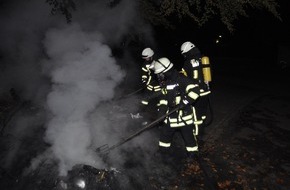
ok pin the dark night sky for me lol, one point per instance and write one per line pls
(255, 36)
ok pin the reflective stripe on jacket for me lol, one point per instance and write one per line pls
(148, 78)
(179, 90)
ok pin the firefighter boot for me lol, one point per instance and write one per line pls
(166, 156)
(192, 157)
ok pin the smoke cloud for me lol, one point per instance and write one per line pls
(83, 75)
(69, 71)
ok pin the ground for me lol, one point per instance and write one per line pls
(245, 147)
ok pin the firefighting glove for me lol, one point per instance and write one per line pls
(161, 115)
(161, 111)
(144, 82)
(183, 103)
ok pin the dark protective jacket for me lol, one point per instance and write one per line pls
(150, 82)
(192, 68)
(182, 91)
(192, 64)
(149, 78)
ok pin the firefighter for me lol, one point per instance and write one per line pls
(193, 68)
(149, 79)
(178, 92)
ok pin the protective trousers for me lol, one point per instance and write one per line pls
(167, 133)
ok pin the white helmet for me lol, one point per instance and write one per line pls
(162, 65)
(147, 52)
(186, 46)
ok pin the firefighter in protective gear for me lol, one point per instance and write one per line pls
(177, 91)
(149, 79)
(193, 68)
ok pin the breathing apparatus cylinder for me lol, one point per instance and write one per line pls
(206, 69)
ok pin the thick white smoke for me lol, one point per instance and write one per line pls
(83, 74)
(71, 67)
